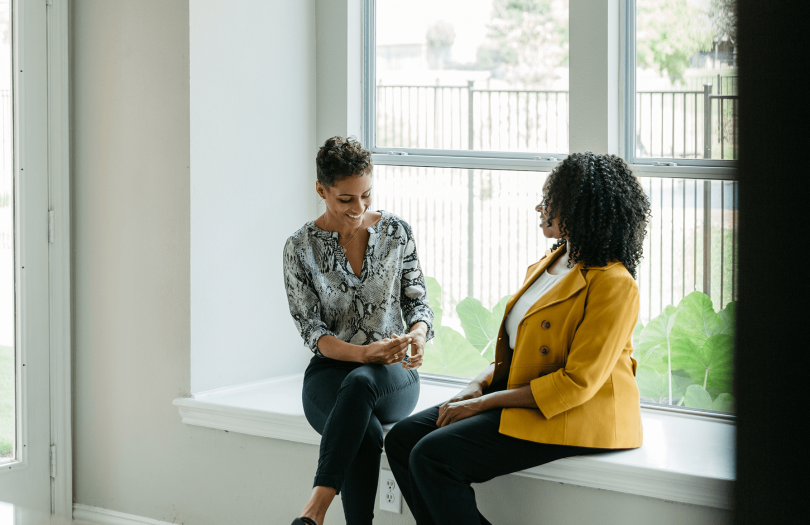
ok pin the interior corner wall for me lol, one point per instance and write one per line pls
(252, 67)
(131, 283)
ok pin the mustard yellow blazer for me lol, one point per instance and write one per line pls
(574, 348)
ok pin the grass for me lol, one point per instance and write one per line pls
(6, 401)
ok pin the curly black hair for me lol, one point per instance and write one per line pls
(340, 158)
(603, 209)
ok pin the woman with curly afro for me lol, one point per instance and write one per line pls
(353, 283)
(563, 380)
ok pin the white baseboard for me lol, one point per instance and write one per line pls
(101, 516)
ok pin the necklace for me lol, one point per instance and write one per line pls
(351, 238)
(343, 245)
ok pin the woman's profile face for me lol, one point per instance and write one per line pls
(348, 199)
(553, 231)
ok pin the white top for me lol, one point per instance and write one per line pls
(533, 293)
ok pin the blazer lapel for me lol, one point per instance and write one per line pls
(568, 286)
(537, 272)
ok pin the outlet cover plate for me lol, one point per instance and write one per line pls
(390, 496)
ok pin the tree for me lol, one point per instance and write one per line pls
(669, 33)
(723, 14)
(527, 40)
(440, 37)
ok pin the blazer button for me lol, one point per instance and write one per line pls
(544, 350)
(546, 325)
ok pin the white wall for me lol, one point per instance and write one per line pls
(252, 66)
(339, 68)
(594, 76)
(132, 286)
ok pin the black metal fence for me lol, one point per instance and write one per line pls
(698, 124)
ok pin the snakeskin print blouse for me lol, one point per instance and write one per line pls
(327, 298)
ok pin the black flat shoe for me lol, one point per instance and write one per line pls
(304, 521)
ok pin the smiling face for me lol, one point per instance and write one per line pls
(549, 231)
(348, 200)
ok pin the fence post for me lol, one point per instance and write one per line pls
(707, 121)
(470, 195)
(436, 143)
(707, 192)
(707, 237)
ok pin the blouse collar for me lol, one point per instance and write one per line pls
(323, 234)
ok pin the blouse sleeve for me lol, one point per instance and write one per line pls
(413, 298)
(305, 305)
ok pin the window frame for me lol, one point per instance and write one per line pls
(422, 157)
(714, 169)
(699, 169)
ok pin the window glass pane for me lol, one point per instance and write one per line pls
(686, 79)
(477, 232)
(689, 274)
(486, 75)
(7, 412)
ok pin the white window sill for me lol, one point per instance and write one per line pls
(685, 458)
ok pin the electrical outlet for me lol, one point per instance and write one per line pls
(390, 496)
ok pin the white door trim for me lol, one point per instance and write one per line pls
(25, 481)
(58, 17)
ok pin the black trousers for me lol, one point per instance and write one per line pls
(435, 466)
(347, 403)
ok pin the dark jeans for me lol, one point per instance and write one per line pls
(435, 466)
(347, 403)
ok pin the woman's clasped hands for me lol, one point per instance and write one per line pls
(466, 403)
(387, 351)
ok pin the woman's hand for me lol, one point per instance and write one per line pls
(387, 351)
(471, 392)
(454, 411)
(418, 335)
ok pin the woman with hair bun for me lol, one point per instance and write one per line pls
(352, 276)
(563, 380)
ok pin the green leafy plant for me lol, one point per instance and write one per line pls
(453, 354)
(686, 355)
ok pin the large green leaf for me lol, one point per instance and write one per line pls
(499, 310)
(652, 358)
(697, 397)
(657, 330)
(710, 365)
(696, 319)
(450, 354)
(726, 318)
(653, 341)
(655, 385)
(434, 293)
(479, 324)
(724, 403)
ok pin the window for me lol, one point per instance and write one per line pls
(475, 75)
(681, 120)
(467, 112)
(7, 383)
(685, 80)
